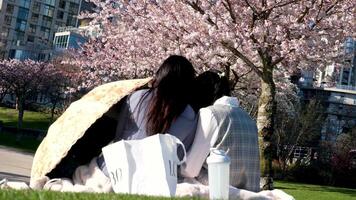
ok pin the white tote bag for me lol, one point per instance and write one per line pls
(147, 166)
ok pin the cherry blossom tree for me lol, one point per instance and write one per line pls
(25, 79)
(271, 38)
(3, 90)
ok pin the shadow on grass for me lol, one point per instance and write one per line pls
(24, 143)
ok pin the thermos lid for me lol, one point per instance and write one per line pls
(217, 156)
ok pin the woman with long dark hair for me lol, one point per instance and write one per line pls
(163, 108)
(170, 94)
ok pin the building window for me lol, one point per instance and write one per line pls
(46, 21)
(49, 2)
(61, 41)
(25, 3)
(60, 14)
(34, 17)
(36, 7)
(62, 4)
(31, 38)
(10, 8)
(4, 32)
(8, 20)
(73, 8)
(32, 28)
(60, 24)
(3, 43)
(20, 25)
(22, 14)
(45, 32)
(19, 35)
(71, 21)
(48, 10)
(2, 54)
(41, 56)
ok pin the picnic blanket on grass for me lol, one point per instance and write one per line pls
(89, 178)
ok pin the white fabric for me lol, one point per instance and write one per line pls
(16, 185)
(86, 175)
(204, 138)
(203, 141)
(147, 166)
(229, 101)
(86, 178)
(192, 188)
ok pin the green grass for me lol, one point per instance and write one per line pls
(33, 120)
(316, 192)
(47, 195)
(24, 143)
(297, 190)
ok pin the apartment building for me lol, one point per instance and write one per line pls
(339, 100)
(339, 108)
(347, 77)
(27, 27)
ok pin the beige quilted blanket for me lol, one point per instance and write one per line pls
(74, 122)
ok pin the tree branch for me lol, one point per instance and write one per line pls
(278, 5)
(196, 7)
(327, 12)
(229, 8)
(252, 8)
(242, 57)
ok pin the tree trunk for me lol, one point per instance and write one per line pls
(265, 124)
(54, 104)
(17, 103)
(20, 107)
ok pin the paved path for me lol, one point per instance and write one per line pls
(15, 165)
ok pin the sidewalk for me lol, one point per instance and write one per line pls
(15, 165)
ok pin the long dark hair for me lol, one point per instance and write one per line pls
(171, 93)
(210, 86)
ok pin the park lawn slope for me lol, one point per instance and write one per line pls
(32, 120)
(315, 192)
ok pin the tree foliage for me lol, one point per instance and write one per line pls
(27, 79)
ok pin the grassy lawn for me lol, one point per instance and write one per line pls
(26, 144)
(46, 195)
(298, 190)
(316, 192)
(33, 120)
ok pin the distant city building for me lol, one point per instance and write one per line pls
(347, 77)
(339, 109)
(67, 39)
(338, 96)
(73, 38)
(27, 27)
(325, 78)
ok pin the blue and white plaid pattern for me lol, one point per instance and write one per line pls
(239, 136)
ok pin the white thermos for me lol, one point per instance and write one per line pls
(219, 172)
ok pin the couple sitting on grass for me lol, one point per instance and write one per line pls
(180, 104)
(197, 110)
